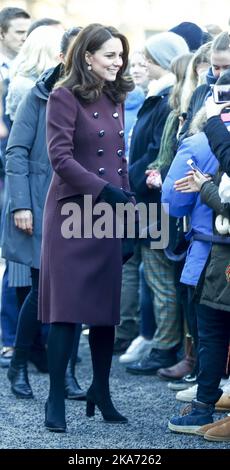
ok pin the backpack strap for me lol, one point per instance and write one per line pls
(219, 239)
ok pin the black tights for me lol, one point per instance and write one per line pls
(60, 343)
(101, 341)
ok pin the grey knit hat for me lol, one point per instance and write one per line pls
(163, 47)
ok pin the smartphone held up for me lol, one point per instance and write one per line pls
(194, 166)
(221, 93)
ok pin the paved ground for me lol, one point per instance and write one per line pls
(146, 401)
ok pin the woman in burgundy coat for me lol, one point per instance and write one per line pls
(81, 277)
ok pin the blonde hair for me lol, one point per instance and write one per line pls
(39, 52)
(178, 67)
(192, 80)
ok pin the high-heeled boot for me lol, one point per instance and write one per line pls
(60, 342)
(104, 404)
(101, 340)
(18, 375)
(73, 390)
(52, 410)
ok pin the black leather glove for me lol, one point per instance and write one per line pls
(113, 195)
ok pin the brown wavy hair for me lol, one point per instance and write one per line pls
(84, 83)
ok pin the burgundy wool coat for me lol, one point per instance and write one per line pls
(80, 278)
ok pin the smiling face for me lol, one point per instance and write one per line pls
(107, 60)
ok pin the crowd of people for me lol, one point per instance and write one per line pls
(85, 127)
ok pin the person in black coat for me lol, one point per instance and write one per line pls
(160, 50)
(217, 133)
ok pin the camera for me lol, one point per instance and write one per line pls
(221, 93)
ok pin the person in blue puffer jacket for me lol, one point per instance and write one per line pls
(197, 148)
(201, 237)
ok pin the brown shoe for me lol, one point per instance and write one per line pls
(223, 404)
(177, 371)
(219, 433)
(203, 429)
(183, 367)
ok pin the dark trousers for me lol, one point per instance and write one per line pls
(214, 335)
(192, 313)
(148, 324)
(28, 326)
(9, 312)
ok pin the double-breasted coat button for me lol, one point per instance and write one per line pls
(100, 152)
(101, 133)
(120, 171)
(101, 171)
(96, 115)
(119, 152)
(115, 115)
(121, 133)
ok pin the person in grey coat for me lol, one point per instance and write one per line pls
(81, 277)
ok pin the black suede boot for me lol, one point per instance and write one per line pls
(101, 340)
(54, 422)
(18, 376)
(60, 343)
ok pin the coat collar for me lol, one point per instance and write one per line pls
(157, 86)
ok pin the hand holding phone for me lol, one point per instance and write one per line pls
(221, 93)
(215, 109)
(193, 182)
(194, 167)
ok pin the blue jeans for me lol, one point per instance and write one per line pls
(214, 335)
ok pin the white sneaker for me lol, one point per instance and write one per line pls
(190, 393)
(187, 395)
(139, 348)
(225, 385)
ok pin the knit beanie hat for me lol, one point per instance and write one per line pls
(192, 34)
(163, 47)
